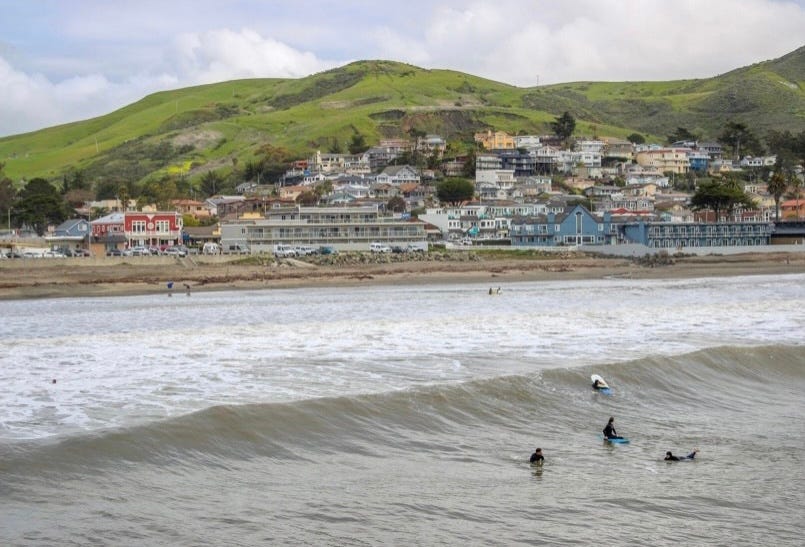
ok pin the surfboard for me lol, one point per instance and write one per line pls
(616, 441)
(604, 387)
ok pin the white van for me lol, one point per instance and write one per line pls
(281, 250)
(211, 248)
(376, 247)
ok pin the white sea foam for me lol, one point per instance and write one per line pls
(124, 360)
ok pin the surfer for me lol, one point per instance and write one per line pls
(671, 458)
(609, 430)
(537, 457)
(598, 384)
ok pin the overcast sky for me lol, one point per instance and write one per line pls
(63, 61)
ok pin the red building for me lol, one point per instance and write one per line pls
(163, 228)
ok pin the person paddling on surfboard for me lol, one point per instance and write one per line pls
(609, 430)
(671, 458)
(598, 384)
(536, 457)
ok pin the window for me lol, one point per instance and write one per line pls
(138, 226)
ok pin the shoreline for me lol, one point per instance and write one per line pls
(34, 279)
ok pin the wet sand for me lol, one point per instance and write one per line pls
(43, 278)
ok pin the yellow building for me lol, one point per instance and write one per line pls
(498, 140)
(664, 160)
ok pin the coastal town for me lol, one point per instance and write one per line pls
(557, 190)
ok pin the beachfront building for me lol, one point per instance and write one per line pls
(342, 228)
(70, 234)
(673, 235)
(162, 228)
(575, 225)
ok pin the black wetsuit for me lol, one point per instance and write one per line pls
(610, 433)
(672, 458)
(536, 458)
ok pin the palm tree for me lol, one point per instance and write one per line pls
(777, 187)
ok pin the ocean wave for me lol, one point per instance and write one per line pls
(371, 424)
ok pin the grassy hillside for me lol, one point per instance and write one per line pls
(214, 126)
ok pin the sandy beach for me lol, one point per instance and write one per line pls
(41, 278)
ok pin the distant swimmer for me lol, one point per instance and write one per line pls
(537, 457)
(609, 430)
(671, 458)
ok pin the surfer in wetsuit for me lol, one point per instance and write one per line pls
(609, 430)
(671, 458)
(537, 457)
(597, 384)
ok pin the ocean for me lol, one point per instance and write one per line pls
(405, 415)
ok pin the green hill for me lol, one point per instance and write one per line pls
(192, 130)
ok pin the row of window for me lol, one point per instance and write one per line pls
(142, 227)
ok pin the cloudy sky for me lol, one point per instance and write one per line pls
(63, 61)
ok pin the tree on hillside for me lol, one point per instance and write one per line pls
(123, 196)
(38, 205)
(788, 147)
(211, 183)
(636, 138)
(335, 147)
(740, 139)
(307, 198)
(455, 191)
(563, 126)
(718, 196)
(396, 204)
(357, 144)
(468, 169)
(272, 163)
(682, 134)
(7, 194)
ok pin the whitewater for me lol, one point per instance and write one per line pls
(406, 415)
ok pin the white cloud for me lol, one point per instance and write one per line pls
(33, 101)
(220, 55)
(514, 41)
(90, 58)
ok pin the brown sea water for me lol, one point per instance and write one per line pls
(405, 415)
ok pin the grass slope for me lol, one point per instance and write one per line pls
(212, 126)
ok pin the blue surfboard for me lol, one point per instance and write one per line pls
(616, 441)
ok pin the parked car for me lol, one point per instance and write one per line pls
(376, 247)
(304, 250)
(175, 251)
(327, 250)
(398, 249)
(238, 249)
(53, 254)
(154, 250)
(140, 251)
(114, 252)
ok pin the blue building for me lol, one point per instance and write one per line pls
(672, 235)
(573, 226)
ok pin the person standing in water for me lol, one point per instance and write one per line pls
(536, 457)
(609, 430)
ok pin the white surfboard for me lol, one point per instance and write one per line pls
(601, 383)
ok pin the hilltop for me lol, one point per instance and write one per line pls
(192, 130)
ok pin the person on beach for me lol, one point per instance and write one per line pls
(671, 458)
(609, 430)
(536, 457)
